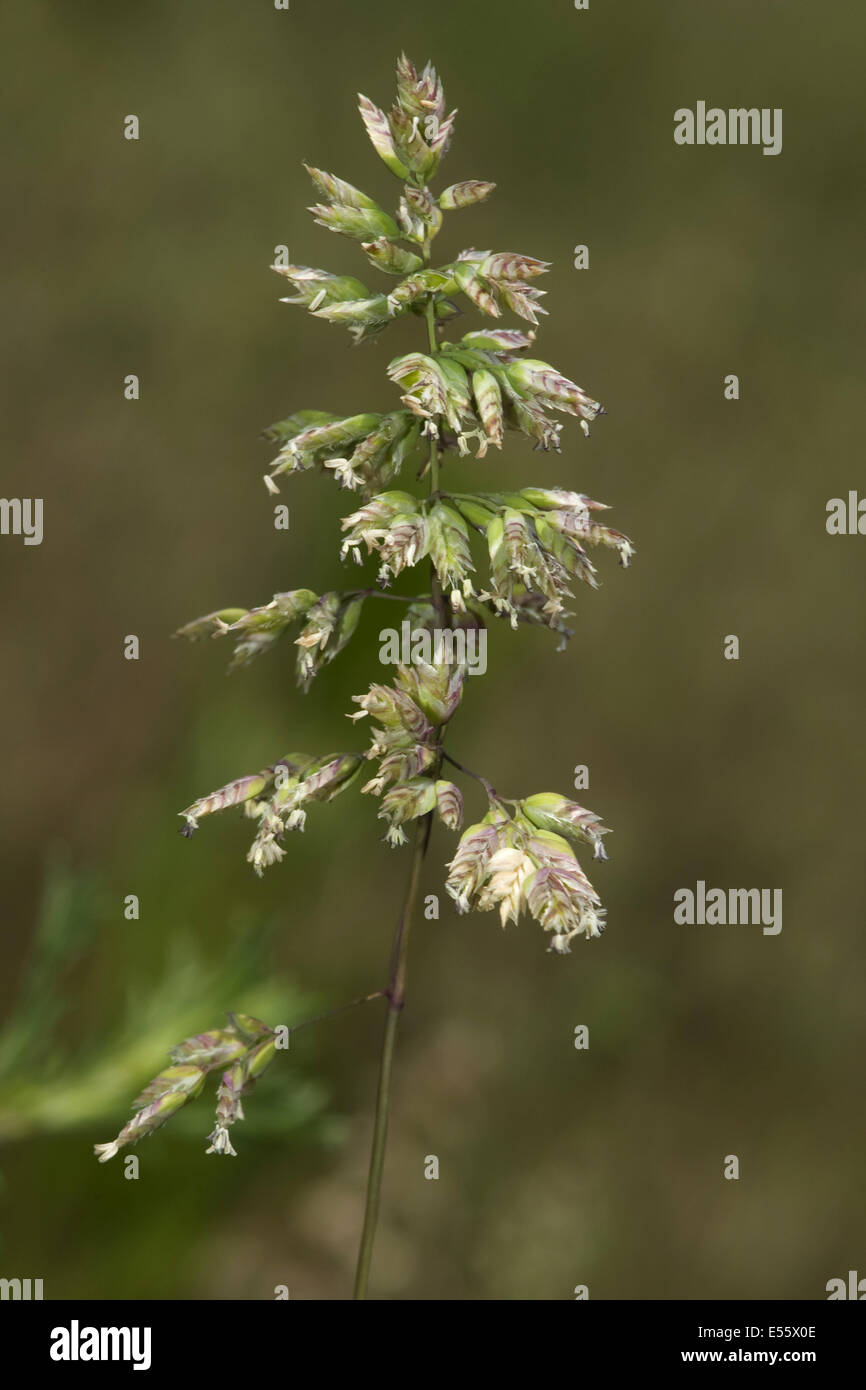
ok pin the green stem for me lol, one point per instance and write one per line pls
(396, 995)
(394, 598)
(396, 991)
(341, 1009)
(430, 320)
(437, 595)
(430, 317)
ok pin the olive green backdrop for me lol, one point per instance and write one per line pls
(557, 1167)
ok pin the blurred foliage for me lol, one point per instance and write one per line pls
(50, 1089)
(46, 1087)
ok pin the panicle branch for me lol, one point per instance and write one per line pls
(246, 1046)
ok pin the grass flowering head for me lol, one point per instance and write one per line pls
(482, 554)
(513, 555)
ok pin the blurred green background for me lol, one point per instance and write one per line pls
(558, 1167)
